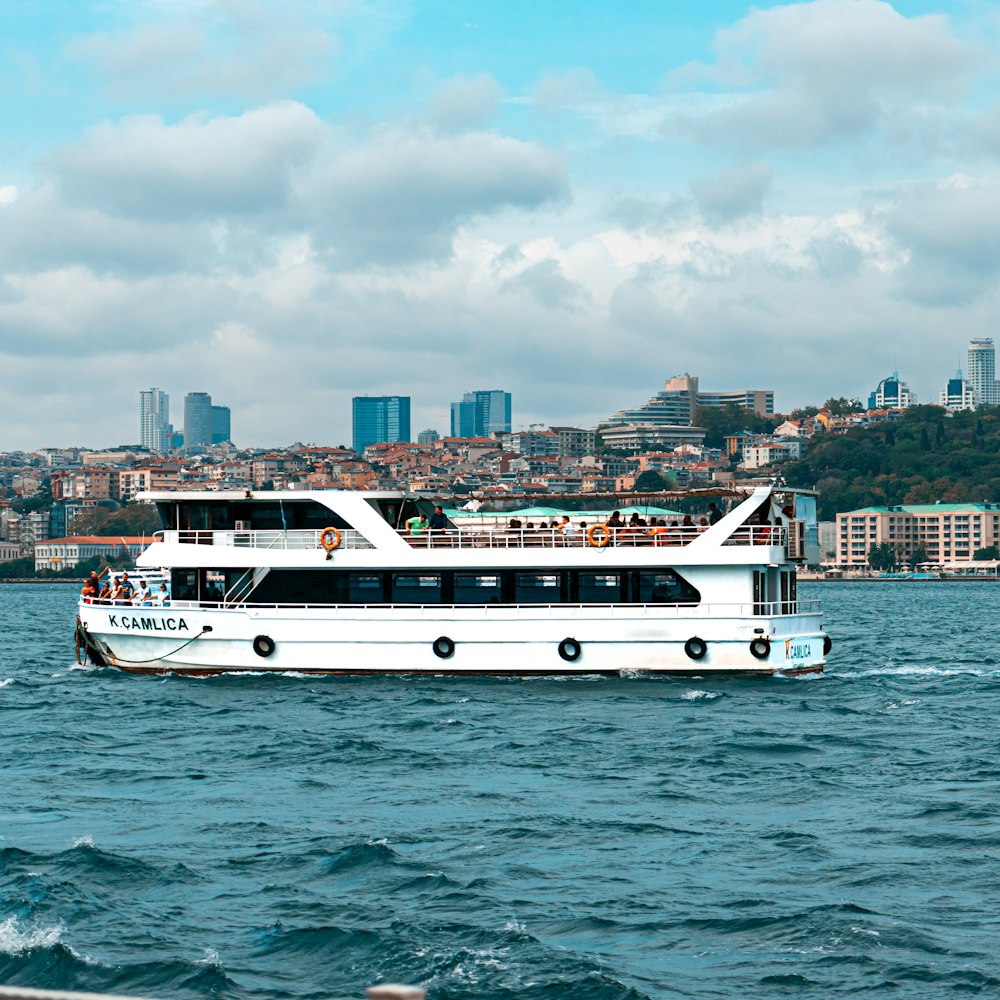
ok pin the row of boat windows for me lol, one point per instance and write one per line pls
(610, 586)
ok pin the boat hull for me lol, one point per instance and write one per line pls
(496, 641)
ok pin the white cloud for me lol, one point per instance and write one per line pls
(463, 103)
(201, 166)
(812, 73)
(248, 49)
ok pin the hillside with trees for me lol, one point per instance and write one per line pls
(923, 456)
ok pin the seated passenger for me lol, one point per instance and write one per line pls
(614, 525)
(568, 530)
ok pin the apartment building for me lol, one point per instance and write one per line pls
(948, 532)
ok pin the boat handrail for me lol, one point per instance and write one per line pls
(294, 538)
(706, 609)
(488, 537)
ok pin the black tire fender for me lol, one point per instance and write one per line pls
(570, 649)
(443, 647)
(696, 648)
(827, 645)
(760, 649)
(263, 645)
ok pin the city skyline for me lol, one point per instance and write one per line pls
(400, 197)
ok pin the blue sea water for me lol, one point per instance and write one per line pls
(593, 839)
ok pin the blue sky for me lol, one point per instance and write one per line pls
(289, 204)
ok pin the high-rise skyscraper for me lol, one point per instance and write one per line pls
(197, 419)
(221, 424)
(982, 371)
(480, 413)
(154, 418)
(380, 418)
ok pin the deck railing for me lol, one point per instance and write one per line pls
(748, 609)
(484, 537)
(556, 538)
(296, 538)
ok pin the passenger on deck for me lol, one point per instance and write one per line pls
(142, 596)
(614, 526)
(116, 592)
(438, 520)
(104, 597)
(417, 525)
(87, 592)
(703, 523)
(162, 598)
(714, 514)
(128, 589)
(567, 529)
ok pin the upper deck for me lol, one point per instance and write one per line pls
(287, 528)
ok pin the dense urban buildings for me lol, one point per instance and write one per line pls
(481, 413)
(154, 419)
(379, 418)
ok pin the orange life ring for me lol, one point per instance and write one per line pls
(605, 535)
(330, 539)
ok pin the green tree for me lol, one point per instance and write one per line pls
(918, 555)
(650, 481)
(721, 421)
(990, 552)
(841, 406)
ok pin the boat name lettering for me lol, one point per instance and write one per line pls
(799, 651)
(148, 624)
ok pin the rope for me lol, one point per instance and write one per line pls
(118, 659)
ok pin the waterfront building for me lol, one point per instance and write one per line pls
(221, 425)
(480, 413)
(947, 532)
(891, 394)
(676, 403)
(154, 419)
(982, 370)
(197, 419)
(379, 418)
(66, 553)
(958, 394)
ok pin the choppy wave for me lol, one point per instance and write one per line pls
(600, 838)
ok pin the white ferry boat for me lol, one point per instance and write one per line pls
(343, 582)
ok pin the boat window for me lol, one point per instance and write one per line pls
(599, 588)
(184, 585)
(407, 589)
(476, 588)
(664, 587)
(536, 588)
(365, 588)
